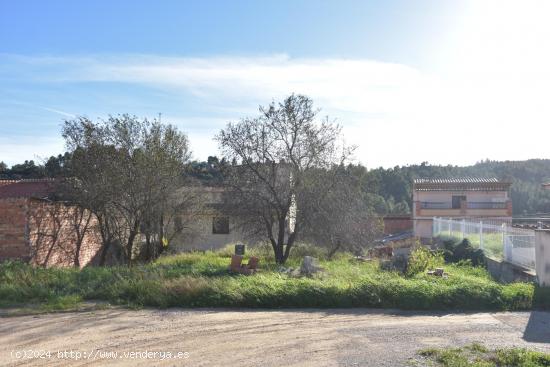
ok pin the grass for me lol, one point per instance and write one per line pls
(202, 280)
(476, 355)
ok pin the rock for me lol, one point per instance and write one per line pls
(309, 266)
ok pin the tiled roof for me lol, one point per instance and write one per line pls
(456, 180)
(35, 188)
(460, 184)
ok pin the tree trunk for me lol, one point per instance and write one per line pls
(279, 253)
(333, 250)
(130, 244)
(104, 251)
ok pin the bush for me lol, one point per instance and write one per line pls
(422, 259)
(455, 250)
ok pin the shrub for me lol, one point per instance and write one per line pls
(422, 259)
(455, 250)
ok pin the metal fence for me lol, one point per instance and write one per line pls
(498, 239)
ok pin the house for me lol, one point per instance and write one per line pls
(206, 227)
(546, 186)
(42, 231)
(459, 198)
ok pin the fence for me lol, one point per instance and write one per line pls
(497, 239)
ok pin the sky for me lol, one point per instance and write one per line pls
(447, 82)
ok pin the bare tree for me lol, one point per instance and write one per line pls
(339, 215)
(277, 155)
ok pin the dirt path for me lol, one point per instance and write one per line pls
(357, 337)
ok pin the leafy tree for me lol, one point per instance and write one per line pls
(126, 171)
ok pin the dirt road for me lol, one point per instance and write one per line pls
(356, 337)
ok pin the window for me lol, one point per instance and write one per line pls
(457, 200)
(220, 225)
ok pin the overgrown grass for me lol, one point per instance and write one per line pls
(476, 355)
(202, 280)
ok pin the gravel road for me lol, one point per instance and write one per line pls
(337, 337)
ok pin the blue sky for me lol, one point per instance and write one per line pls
(406, 79)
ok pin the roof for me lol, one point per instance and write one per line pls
(461, 184)
(396, 237)
(456, 180)
(33, 188)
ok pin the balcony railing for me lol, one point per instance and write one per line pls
(435, 205)
(464, 205)
(486, 205)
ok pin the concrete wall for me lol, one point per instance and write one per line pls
(201, 237)
(508, 273)
(542, 253)
(423, 227)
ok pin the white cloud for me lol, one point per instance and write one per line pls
(479, 103)
(59, 112)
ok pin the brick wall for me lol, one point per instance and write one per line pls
(55, 230)
(13, 243)
(397, 224)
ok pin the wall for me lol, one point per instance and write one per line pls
(200, 236)
(542, 253)
(54, 230)
(13, 244)
(423, 228)
(508, 273)
(471, 196)
(397, 224)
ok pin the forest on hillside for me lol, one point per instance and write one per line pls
(386, 190)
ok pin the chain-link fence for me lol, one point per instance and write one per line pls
(497, 239)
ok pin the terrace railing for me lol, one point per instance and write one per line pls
(497, 239)
(465, 205)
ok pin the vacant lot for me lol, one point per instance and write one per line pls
(202, 280)
(344, 337)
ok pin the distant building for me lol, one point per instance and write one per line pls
(207, 228)
(546, 186)
(459, 198)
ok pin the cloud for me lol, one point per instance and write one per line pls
(397, 114)
(59, 112)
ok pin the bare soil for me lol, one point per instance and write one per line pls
(341, 337)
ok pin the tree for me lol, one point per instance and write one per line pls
(126, 172)
(57, 166)
(340, 217)
(278, 156)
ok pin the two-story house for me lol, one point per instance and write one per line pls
(459, 198)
